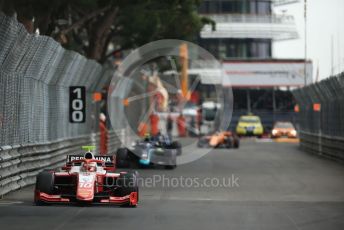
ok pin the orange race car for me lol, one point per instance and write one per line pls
(285, 128)
(224, 139)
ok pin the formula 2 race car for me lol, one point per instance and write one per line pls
(224, 139)
(283, 128)
(87, 179)
(149, 152)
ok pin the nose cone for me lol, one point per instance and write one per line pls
(85, 189)
(213, 141)
(85, 195)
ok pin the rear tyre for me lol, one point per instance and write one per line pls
(178, 147)
(122, 158)
(44, 183)
(170, 167)
(229, 142)
(236, 140)
(236, 143)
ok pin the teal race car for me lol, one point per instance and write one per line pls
(149, 152)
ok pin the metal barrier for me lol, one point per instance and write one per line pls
(35, 76)
(328, 146)
(321, 117)
(20, 164)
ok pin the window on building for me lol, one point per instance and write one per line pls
(253, 7)
(226, 7)
(235, 7)
(229, 48)
(260, 48)
(263, 7)
(264, 50)
(210, 7)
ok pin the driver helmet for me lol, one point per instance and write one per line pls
(147, 137)
(89, 167)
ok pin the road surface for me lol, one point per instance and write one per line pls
(272, 186)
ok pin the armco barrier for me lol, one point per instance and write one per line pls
(19, 165)
(331, 147)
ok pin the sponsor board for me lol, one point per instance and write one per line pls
(106, 159)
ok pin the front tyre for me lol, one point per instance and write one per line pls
(203, 143)
(128, 184)
(45, 184)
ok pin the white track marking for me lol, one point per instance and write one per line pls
(9, 202)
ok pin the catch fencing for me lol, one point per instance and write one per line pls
(35, 76)
(321, 117)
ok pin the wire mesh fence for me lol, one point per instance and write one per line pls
(35, 76)
(328, 118)
(321, 116)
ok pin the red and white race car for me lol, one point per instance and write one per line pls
(87, 179)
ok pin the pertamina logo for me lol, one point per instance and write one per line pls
(106, 159)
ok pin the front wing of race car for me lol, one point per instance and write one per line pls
(130, 200)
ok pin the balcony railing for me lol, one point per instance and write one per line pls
(277, 27)
(251, 18)
(283, 2)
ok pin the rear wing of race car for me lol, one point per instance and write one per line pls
(109, 161)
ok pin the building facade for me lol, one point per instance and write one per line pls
(242, 41)
(245, 29)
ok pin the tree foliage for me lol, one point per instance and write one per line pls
(92, 26)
